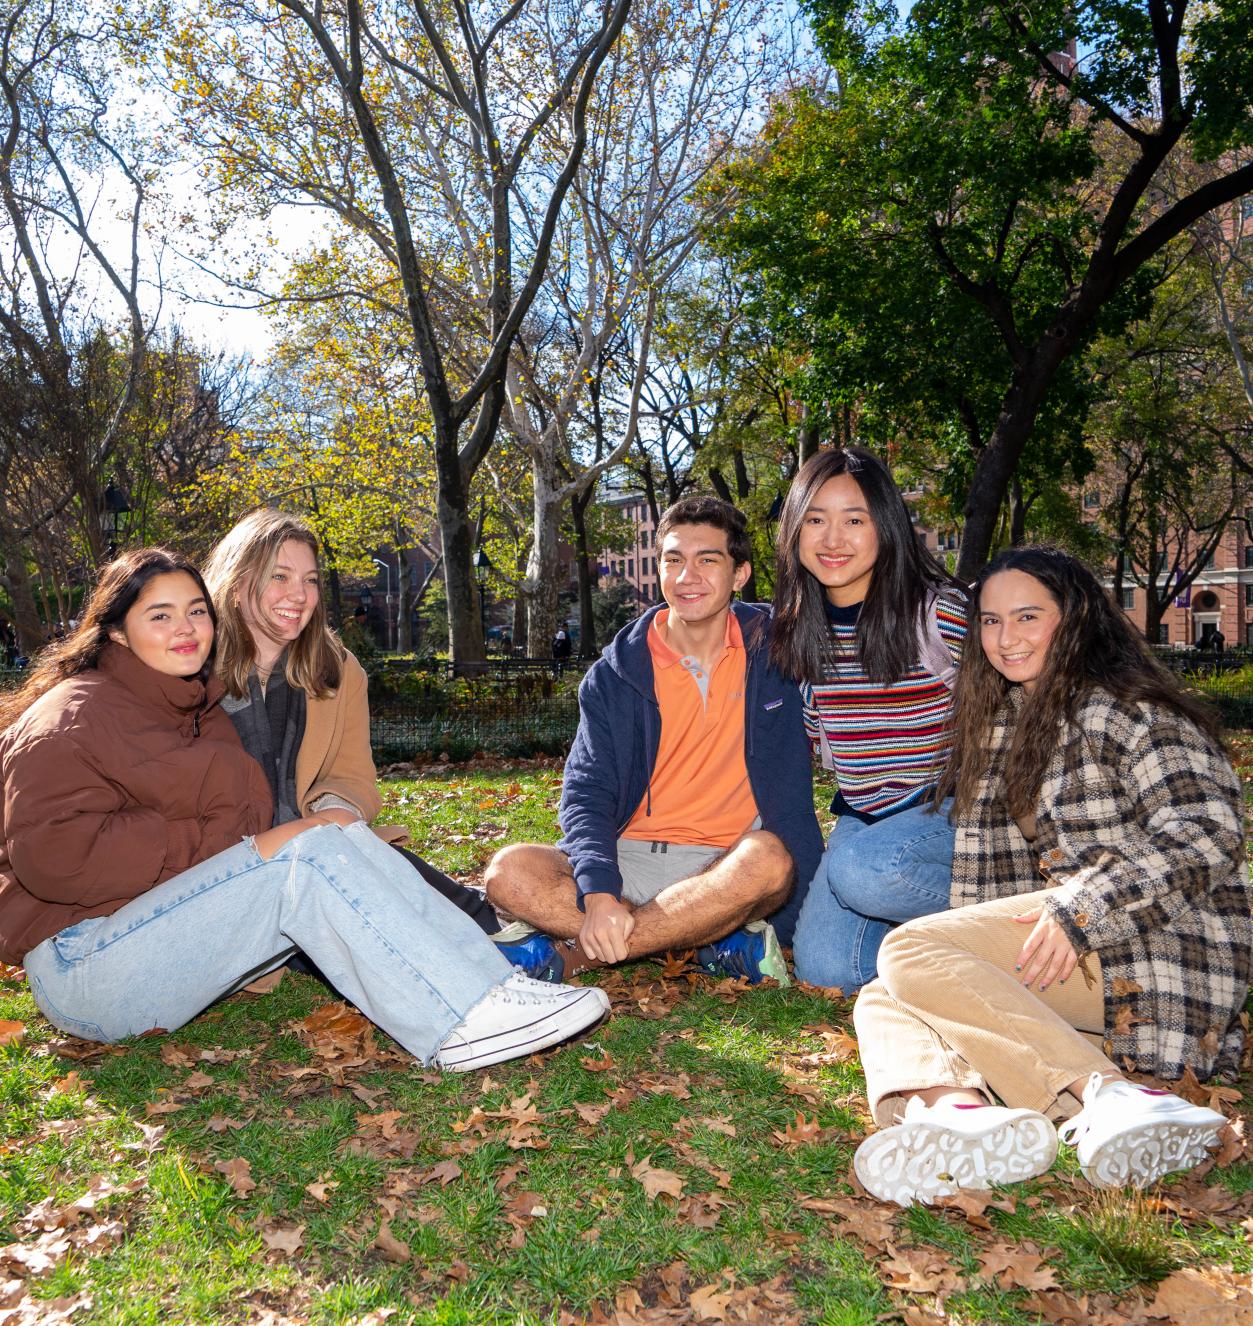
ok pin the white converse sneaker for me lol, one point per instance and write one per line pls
(940, 1149)
(517, 1018)
(1129, 1135)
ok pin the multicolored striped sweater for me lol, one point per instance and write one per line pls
(887, 742)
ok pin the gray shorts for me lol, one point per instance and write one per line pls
(649, 867)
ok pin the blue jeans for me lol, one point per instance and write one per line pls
(871, 877)
(405, 956)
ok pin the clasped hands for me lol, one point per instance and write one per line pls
(607, 927)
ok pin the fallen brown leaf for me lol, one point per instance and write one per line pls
(238, 1174)
(390, 1246)
(656, 1181)
(283, 1238)
(1204, 1296)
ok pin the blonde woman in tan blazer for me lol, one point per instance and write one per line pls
(297, 697)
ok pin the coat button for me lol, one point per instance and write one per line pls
(1081, 918)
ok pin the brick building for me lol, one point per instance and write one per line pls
(636, 564)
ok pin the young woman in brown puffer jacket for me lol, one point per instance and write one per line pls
(136, 887)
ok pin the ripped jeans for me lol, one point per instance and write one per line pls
(405, 956)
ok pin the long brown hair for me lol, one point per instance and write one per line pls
(905, 574)
(118, 586)
(242, 564)
(1094, 645)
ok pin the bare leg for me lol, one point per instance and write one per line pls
(750, 881)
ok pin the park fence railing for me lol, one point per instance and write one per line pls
(418, 713)
(424, 714)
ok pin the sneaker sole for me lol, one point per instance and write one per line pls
(773, 963)
(572, 1018)
(1141, 1155)
(920, 1161)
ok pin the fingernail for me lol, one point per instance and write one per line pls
(1018, 966)
(1062, 981)
(1044, 986)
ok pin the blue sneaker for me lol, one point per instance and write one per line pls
(534, 954)
(753, 952)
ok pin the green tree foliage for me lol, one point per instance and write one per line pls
(950, 229)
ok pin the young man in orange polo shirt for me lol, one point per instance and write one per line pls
(686, 807)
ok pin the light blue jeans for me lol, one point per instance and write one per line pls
(870, 878)
(405, 956)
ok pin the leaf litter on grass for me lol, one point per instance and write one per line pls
(358, 1157)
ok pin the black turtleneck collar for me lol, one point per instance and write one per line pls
(183, 695)
(842, 616)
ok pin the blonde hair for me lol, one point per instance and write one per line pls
(242, 564)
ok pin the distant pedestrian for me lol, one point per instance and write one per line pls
(563, 646)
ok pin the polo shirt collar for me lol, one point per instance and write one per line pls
(665, 657)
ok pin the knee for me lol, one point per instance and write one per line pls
(509, 872)
(902, 967)
(774, 867)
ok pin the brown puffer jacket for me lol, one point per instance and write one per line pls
(114, 781)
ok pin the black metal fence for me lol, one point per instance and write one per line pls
(495, 724)
(418, 713)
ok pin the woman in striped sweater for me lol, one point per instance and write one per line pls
(871, 626)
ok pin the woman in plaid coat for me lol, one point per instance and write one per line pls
(1102, 916)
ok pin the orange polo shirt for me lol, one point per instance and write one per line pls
(699, 789)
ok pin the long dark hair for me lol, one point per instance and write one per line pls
(905, 574)
(118, 586)
(1094, 645)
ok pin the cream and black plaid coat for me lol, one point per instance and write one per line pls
(1139, 827)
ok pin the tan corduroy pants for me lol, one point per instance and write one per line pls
(949, 1010)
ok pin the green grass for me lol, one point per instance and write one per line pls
(707, 1093)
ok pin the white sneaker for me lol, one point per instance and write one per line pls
(1129, 1135)
(940, 1149)
(517, 1018)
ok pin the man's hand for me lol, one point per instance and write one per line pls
(1048, 952)
(607, 927)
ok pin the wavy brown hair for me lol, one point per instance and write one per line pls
(240, 566)
(118, 586)
(905, 574)
(1095, 645)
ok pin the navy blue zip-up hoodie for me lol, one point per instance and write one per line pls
(610, 765)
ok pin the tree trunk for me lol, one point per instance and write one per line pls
(456, 532)
(404, 604)
(807, 438)
(998, 460)
(583, 569)
(541, 565)
(1017, 515)
(16, 580)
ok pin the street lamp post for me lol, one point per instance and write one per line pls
(482, 569)
(114, 514)
(388, 597)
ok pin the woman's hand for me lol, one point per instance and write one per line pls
(1048, 953)
(268, 842)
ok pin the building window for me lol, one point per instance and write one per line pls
(1209, 561)
(1128, 599)
(1163, 634)
(1248, 555)
(1248, 596)
(1248, 635)
(1091, 499)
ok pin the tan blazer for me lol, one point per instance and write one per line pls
(335, 754)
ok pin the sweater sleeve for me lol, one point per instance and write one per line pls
(590, 797)
(1185, 801)
(72, 839)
